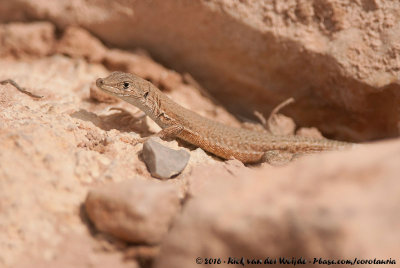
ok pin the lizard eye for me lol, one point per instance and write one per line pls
(146, 94)
(126, 85)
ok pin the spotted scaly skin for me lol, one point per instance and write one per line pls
(224, 141)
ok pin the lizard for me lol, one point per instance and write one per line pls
(248, 146)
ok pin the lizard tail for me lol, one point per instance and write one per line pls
(309, 145)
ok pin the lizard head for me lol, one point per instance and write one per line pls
(125, 86)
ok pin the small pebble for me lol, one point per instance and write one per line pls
(164, 162)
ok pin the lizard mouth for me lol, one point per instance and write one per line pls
(109, 89)
(101, 84)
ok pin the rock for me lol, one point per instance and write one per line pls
(22, 40)
(212, 175)
(78, 250)
(281, 125)
(142, 254)
(164, 162)
(338, 59)
(311, 132)
(77, 42)
(328, 206)
(44, 174)
(55, 148)
(135, 211)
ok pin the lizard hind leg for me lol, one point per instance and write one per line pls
(277, 157)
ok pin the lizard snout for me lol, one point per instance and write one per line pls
(99, 82)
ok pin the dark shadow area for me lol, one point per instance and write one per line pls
(121, 120)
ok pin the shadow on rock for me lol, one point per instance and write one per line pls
(121, 120)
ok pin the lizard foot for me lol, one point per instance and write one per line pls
(277, 158)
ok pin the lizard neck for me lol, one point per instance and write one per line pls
(156, 106)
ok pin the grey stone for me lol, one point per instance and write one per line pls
(164, 162)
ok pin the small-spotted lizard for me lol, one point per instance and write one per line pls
(228, 142)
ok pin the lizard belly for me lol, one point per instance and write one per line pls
(222, 150)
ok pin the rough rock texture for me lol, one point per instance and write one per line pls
(333, 206)
(340, 58)
(52, 150)
(47, 159)
(136, 211)
(21, 40)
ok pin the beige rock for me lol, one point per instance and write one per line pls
(44, 174)
(334, 205)
(79, 43)
(76, 250)
(282, 125)
(338, 59)
(135, 211)
(208, 176)
(309, 132)
(27, 40)
(143, 254)
(49, 159)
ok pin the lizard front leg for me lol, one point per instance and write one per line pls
(166, 133)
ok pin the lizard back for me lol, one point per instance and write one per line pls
(230, 142)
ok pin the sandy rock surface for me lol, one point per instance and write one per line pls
(334, 206)
(339, 60)
(136, 211)
(54, 149)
